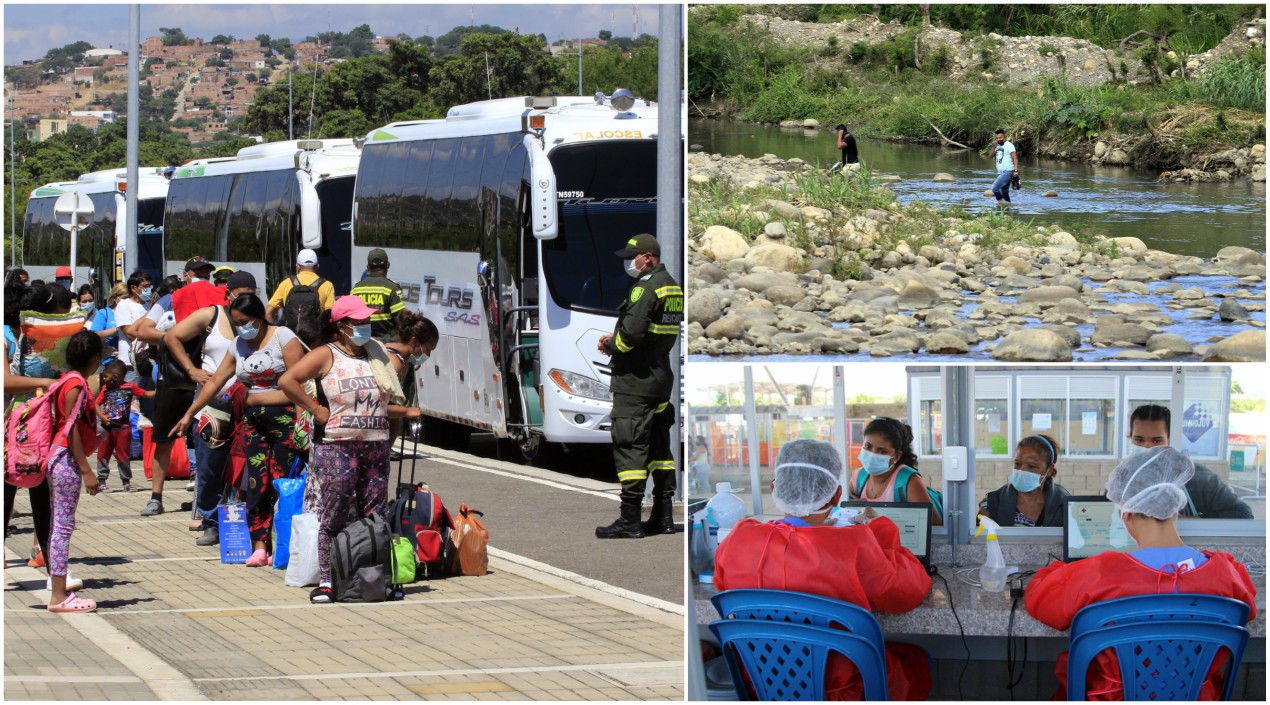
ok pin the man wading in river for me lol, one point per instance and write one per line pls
(1007, 168)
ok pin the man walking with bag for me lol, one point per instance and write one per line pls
(642, 381)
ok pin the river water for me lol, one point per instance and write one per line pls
(1186, 219)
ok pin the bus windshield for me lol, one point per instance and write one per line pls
(607, 194)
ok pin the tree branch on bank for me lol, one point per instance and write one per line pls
(947, 142)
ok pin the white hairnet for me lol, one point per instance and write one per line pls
(1151, 482)
(807, 475)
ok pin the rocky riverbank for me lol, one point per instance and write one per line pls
(777, 266)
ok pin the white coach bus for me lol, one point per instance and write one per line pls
(500, 222)
(255, 211)
(99, 251)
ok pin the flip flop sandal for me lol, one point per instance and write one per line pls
(322, 595)
(73, 603)
(104, 489)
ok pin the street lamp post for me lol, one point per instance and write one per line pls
(13, 185)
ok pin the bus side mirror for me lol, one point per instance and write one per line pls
(542, 192)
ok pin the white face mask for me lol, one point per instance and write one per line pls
(631, 270)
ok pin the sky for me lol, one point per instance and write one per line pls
(29, 33)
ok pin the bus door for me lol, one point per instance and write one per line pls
(335, 255)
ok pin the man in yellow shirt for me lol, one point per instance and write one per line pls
(306, 276)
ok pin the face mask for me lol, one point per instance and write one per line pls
(417, 360)
(1024, 481)
(873, 463)
(88, 309)
(360, 335)
(631, 269)
(248, 331)
(145, 293)
(64, 283)
(1134, 450)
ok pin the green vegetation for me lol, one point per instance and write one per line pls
(745, 71)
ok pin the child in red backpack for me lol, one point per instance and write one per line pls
(68, 468)
(114, 404)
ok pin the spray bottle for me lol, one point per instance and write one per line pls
(993, 573)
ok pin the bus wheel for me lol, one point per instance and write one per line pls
(536, 451)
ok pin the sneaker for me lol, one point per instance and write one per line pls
(72, 583)
(153, 508)
(322, 595)
(189, 486)
(210, 537)
(37, 559)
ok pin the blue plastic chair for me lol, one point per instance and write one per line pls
(798, 608)
(1159, 659)
(785, 661)
(1141, 608)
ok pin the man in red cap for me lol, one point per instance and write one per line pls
(65, 277)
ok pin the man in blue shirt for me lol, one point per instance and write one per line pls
(1007, 168)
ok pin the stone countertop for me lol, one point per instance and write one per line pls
(982, 613)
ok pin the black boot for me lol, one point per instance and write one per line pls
(662, 520)
(627, 527)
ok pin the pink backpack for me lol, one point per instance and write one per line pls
(30, 433)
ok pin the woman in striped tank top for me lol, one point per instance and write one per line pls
(349, 455)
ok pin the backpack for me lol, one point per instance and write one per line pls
(116, 404)
(30, 438)
(901, 489)
(420, 516)
(303, 302)
(467, 552)
(361, 561)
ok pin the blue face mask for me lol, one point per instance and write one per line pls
(1135, 449)
(873, 463)
(360, 335)
(248, 331)
(146, 292)
(417, 360)
(1024, 481)
(88, 309)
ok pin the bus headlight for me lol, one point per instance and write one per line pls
(580, 386)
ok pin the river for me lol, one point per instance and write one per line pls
(1189, 219)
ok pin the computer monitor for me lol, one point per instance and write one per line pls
(914, 520)
(1091, 525)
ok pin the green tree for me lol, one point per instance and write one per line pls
(265, 40)
(517, 66)
(450, 42)
(173, 36)
(424, 40)
(345, 123)
(232, 81)
(605, 35)
(222, 39)
(608, 68)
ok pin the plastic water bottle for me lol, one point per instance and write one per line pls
(993, 573)
(723, 511)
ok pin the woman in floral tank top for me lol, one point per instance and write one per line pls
(349, 455)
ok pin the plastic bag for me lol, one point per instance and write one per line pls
(290, 497)
(302, 569)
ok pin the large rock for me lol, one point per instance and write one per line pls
(705, 307)
(1168, 345)
(1048, 294)
(760, 282)
(730, 327)
(781, 258)
(783, 209)
(1033, 345)
(785, 295)
(946, 343)
(1120, 334)
(943, 178)
(1069, 335)
(1230, 310)
(1130, 245)
(1064, 240)
(1018, 264)
(723, 244)
(1248, 346)
(917, 294)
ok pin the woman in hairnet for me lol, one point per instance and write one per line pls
(1147, 490)
(863, 564)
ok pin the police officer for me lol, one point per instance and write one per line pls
(380, 293)
(647, 325)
